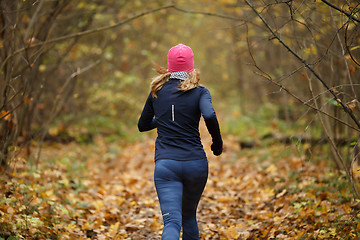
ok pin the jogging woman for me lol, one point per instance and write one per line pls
(174, 107)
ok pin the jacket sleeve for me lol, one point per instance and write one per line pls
(211, 121)
(147, 121)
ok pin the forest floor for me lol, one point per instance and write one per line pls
(105, 190)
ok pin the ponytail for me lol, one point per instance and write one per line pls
(158, 82)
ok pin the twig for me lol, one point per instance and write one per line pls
(207, 13)
(343, 54)
(269, 78)
(84, 33)
(349, 15)
(57, 106)
(347, 110)
(338, 158)
(335, 87)
(33, 19)
(347, 46)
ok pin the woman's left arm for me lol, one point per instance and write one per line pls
(147, 121)
(211, 122)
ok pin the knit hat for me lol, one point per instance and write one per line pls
(180, 59)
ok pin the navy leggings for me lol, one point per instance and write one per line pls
(179, 185)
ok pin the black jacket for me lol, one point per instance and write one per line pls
(176, 115)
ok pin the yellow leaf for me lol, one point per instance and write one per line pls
(231, 233)
(42, 68)
(98, 205)
(150, 203)
(81, 5)
(267, 193)
(278, 219)
(155, 226)
(113, 229)
(49, 195)
(71, 227)
(53, 131)
(121, 200)
(65, 181)
(86, 226)
(354, 48)
(271, 169)
(313, 49)
(332, 231)
(347, 209)
(225, 199)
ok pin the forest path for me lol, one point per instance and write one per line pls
(106, 191)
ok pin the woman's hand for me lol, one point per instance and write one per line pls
(217, 149)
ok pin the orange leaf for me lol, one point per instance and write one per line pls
(5, 115)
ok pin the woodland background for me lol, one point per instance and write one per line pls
(284, 78)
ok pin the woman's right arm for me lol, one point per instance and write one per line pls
(147, 121)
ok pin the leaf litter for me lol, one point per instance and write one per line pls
(106, 191)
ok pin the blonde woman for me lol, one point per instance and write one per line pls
(174, 107)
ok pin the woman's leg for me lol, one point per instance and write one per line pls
(169, 189)
(195, 175)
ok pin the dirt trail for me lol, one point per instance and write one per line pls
(106, 191)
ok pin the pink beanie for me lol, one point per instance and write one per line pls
(180, 59)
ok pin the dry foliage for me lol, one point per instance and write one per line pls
(106, 191)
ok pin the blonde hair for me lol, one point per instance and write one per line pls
(158, 82)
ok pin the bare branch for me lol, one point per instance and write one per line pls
(348, 47)
(84, 33)
(33, 19)
(306, 103)
(337, 156)
(265, 75)
(337, 98)
(207, 14)
(57, 106)
(343, 53)
(349, 15)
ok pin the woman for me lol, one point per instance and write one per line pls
(174, 107)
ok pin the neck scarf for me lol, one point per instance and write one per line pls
(179, 75)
